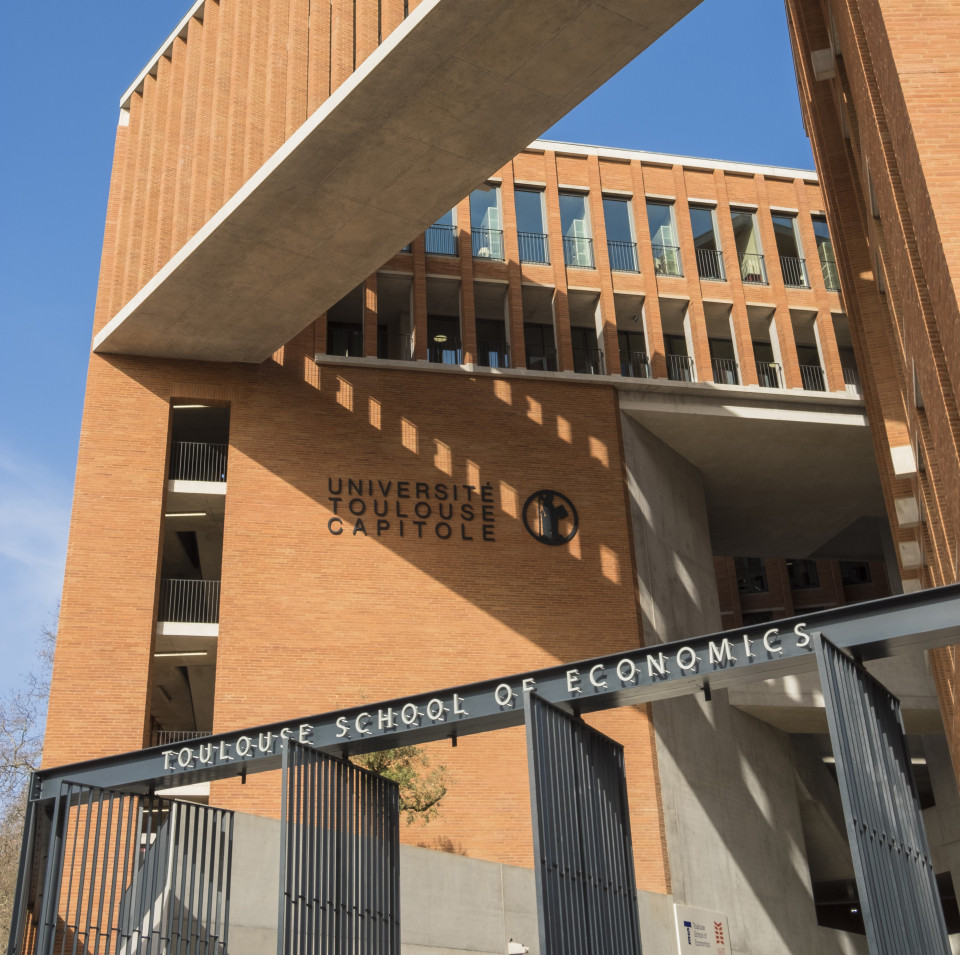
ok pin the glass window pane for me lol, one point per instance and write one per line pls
(529, 206)
(704, 235)
(786, 235)
(485, 208)
(573, 215)
(660, 216)
(745, 232)
(616, 218)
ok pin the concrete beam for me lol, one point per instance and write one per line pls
(449, 97)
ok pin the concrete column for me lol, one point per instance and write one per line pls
(561, 309)
(418, 249)
(468, 312)
(514, 316)
(607, 326)
(652, 325)
(370, 317)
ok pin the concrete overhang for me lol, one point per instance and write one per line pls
(786, 474)
(448, 98)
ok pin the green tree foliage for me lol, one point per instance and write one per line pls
(422, 787)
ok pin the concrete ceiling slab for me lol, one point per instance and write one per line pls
(449, 97)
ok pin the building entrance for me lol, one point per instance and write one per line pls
(106, 865)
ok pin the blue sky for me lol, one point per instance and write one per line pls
(720, 85)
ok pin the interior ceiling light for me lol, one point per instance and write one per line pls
(179, 407)
(181, 653)
(186, 514)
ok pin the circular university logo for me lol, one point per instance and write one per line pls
(550, 517)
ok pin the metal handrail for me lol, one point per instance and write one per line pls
(448, 353)
(534, 247)
(487, 243)
(441, 239)
(725, 371)
(831, 275)
(635, 364)
(493, 354)
(681, 368)
(198, 461)
(768, 374)
(812, 378)
(710, 265)
(753, 270)
(578, 251)
(189, 601)
(542, 359)
(166, 737)
(794, 272)
(588, 360)
(851, 378)
(666, 260)
(623, 256)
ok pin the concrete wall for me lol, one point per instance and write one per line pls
(734, 832)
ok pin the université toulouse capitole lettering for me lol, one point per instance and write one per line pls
(590, 685)
(412, 509)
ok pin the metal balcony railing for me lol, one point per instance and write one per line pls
(533, 247)
(167, 737)
(495, 354)
(725, 371)
(710, 265)
(812, 378)
(445, 353)
(635, 364)
(623, 256)
(198, 461)
(768, 374)
(831, 275)
(441, 239)
(189, 601)
(542, 359)
(578, 251)
(753, 270)
(588, 361)
(794, 272)
(851, 378)
(680, 368)
(666, 260)
(487, 243)
(397, 346)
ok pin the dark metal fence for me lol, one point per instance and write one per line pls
(166, 737)
(710, 264)
(487, 243)
(768, 374)
(583, 851)
(681, 368)
(533, 247)
(635, 364)
(588, 361)
(494, 354)
(189, 601)
(578, 251)
(666, 260)
(339, 858)
(449, 353)
(891, 858)
(851, 378)
(725, 371)
(441, 239)
(794, 272)
(753, 271)
(117, 872)
(812, 378)
(623, 256)
(198, 461)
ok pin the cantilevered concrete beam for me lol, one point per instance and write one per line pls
(451, 95)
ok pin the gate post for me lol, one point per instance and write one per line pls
(583, 851)
(27, 848)
(891, 857)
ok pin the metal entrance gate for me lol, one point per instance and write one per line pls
(583, 852)
(898, 889)
(339, 858)
(119, 873)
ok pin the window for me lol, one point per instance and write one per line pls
(853, 572)
(621, 245)
(531, 230)
(706, 242)
(828, 261)
(587, 359)
(753, 270)
(634, 362)
(751, 575)
(486, 223)
(663, 236)
(540, 347)
(345, 338)
(790, 251)
(575, 223)
(441, 237)
(803, 575)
